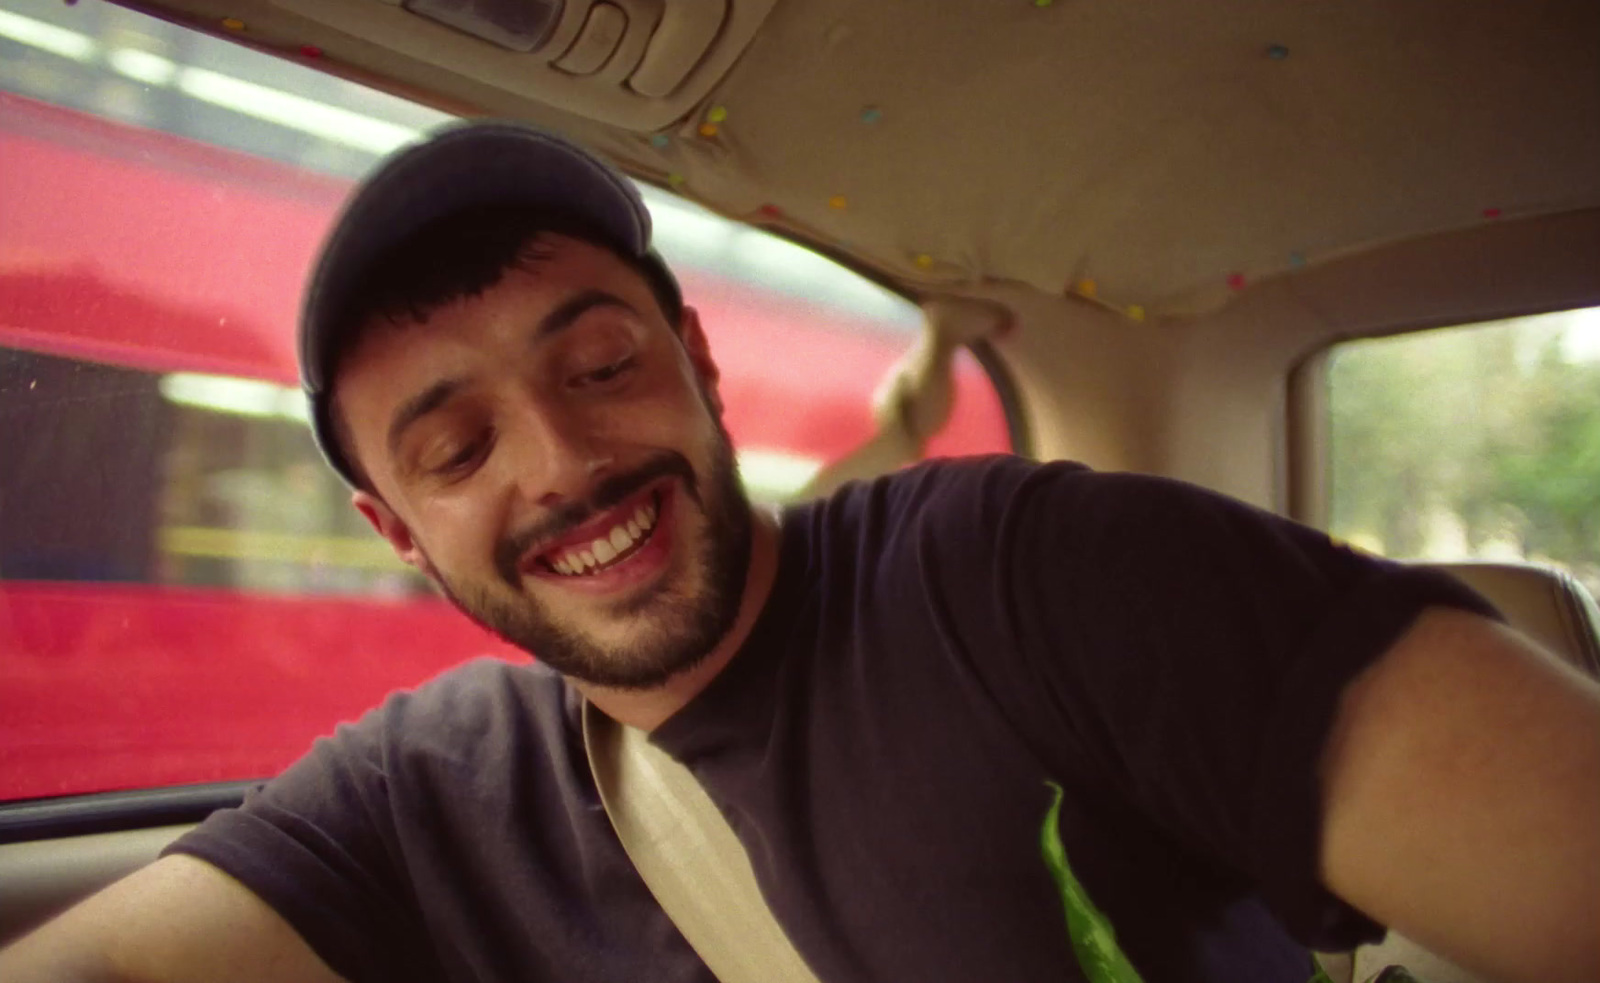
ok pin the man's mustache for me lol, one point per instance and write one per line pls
(608, 494)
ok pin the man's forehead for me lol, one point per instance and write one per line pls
(398, 357)
(548, 272)
(552, 269)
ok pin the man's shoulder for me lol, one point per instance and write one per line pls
(1007, 489)
(970, 509)
(469, 705)
(949, 508)
(960, 489)
(481, 681)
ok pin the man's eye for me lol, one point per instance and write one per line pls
(462, 459)
(606, 373)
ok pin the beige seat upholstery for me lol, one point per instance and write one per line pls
(1554, 610)
(1546, 604)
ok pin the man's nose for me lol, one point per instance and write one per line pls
(555, 457)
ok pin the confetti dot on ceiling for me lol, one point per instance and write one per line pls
(310, 51)
(1491, 213)
(1087, 288)
(1235, 281)
(923, 261)
(1136, 312)
(660, 141)
(871, 114)
(1277, 52)
(676, 180)
(718, 114)
(1297, 260)
(838, 201)
(708, 130)
(233, 23)
(771, 211)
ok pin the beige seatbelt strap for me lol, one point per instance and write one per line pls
(689, 856)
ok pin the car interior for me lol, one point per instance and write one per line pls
(1147, 236)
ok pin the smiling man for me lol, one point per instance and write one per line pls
(977, 720)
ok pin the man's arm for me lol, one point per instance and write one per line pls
(1462, 800)
(179, 920)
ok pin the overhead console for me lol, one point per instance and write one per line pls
(637, 64)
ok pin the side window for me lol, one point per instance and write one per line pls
(185, 593)
(1473, 442)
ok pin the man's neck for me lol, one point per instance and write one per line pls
(649, 709)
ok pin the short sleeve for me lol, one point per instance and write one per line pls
(318, 845)
(1194, 648)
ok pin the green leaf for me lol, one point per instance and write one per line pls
(1093, 941)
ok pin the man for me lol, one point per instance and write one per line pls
(1234, 737)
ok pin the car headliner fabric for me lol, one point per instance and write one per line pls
(1159, 155)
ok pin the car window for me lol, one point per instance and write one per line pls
(185, 593)
(1478, 442)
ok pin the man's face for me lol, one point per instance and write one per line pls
(551, 453)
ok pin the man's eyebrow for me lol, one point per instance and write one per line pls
(567, 313)
(418, 407)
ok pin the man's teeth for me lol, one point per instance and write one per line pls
(623, 537)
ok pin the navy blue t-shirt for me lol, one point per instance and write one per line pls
(943, 649)
(944, 645)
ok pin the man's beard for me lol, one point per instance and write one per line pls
(675, 630)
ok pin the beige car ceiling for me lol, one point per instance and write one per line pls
(1154, 157)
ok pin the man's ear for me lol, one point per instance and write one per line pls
(699, 349)
(394, 529)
